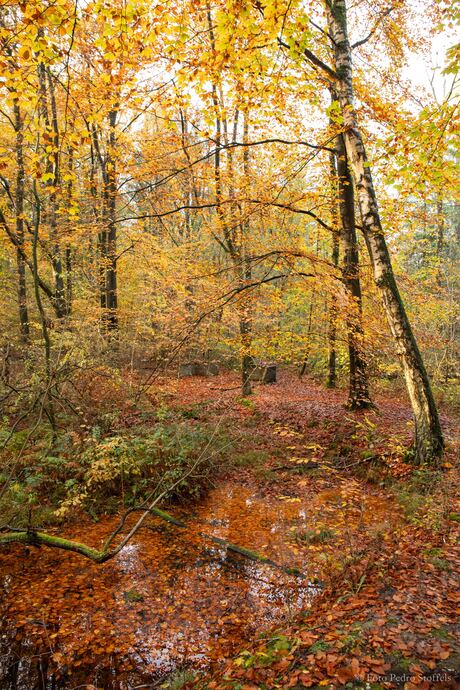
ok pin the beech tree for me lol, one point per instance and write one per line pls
(205, 185)
(193, 194)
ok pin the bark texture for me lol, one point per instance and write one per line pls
(19, 203)
(333, 310)
(48, 110)
(428, 435)
(359, 397)
(111, 272)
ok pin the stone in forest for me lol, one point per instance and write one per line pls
(198, 369)
(265, 373)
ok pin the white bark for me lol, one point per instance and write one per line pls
(428, 434)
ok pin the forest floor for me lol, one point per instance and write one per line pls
(311, 486)
(382, 537)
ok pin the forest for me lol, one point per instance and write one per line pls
(229, 344)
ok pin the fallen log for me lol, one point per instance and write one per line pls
(241, 550)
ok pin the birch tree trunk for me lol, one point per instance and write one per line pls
(358, 395)
(428, 435)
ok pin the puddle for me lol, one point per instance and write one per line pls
(170, 599)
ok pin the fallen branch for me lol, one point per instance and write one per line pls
(33, 538)
(307, 465)
(241, 550)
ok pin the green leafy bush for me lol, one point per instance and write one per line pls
(98, 473)
(133, 467)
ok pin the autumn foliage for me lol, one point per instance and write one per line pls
(229, 343)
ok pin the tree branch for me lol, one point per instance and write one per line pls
(12, 237)
(288, 207)
(374, 29)
(311, 57)
(32, 538)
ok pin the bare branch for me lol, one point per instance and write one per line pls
(374, 28)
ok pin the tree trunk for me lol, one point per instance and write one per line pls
(102, 254)
(332, 328)
(428, 435)
(242, 267)
(19, 201)
(111, 273)
(229, 239)
(440, 222)
(69, 283)
(358, 396)
(306, 355)
(247, 363)
(333, 312)
(68, 251)
(48, 403)
(48, 105)
(60, 296)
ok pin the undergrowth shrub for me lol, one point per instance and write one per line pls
(97, 474)
(425, 498)
(448, 395)
(134, 467)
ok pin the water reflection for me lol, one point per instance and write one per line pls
(171, 598)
